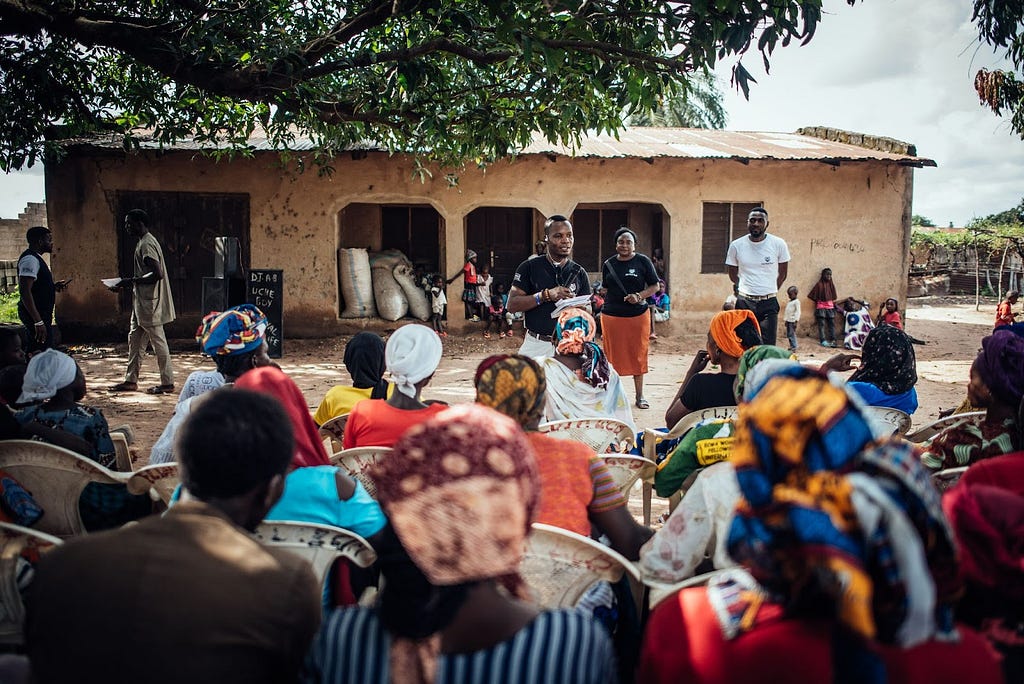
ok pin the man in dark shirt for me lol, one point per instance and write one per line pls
(540, 283)
(37, 289)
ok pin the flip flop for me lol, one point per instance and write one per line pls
(160, 389)
(125, 387)
(641, 403)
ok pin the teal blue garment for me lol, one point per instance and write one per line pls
(311, 495)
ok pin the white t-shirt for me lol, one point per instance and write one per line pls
(28, 266)
(792, 314)
(758, 263)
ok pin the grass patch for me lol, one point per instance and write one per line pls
(9, 308)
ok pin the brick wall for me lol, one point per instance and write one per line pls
(12, 231)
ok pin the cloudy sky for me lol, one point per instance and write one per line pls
(899, 68)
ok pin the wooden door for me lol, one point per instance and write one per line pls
(185, 224)
(502, 237)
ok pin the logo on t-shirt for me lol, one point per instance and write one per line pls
(767, 259)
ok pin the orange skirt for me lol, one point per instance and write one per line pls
(626, 341)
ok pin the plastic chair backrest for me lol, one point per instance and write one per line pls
(945, 479)
(600, 434)
(55, 477)
(122, 453)
(321, 545)
(334, 430)
(898, 420)
(357, 462)
(626, 470)
(560, 566)
(13, 540)
(923, 434)
(158, 480)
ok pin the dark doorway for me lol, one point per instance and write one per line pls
(502, 237)
(413, 231)
(186, 224)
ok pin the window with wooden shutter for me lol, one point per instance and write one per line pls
(722, 223)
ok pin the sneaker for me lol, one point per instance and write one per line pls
(475, 319)
(501, 334)
(487, 335)
(826, 344)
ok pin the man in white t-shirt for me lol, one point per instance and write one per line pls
(758, 265)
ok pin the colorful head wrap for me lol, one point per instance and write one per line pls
(887, 361)
(238, 330)
(309, 449)
(754, 356)
(1001, 366)
(364, 360)
(470, 254)
(735, 331)
(828, 514)
(574, 336)
(512, 385)
(411, 355)
(47, 373)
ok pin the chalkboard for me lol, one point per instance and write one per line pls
(265, 289)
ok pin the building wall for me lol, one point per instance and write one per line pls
(12, 231)
(853, 218)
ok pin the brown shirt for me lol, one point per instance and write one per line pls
(188, 597)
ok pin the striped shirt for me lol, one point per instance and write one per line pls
(558, 647)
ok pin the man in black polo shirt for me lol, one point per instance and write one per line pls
(540, 283)
(37, 289)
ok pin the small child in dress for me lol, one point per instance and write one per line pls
(496, 314)
(889, 313)
(823, 294)
(792, 316)
(483, 292)
(438, 301)
(858, 323)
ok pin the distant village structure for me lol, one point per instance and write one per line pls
(12, 241)
(840, 200)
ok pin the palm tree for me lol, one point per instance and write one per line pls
(697, 103)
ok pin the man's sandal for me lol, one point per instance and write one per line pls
(125, 387)
(160, 389)
(641, 403)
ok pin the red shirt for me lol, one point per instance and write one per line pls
(684, 643)
(375, 422)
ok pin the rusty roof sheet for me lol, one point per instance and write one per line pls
(638, 142)
(697, 143)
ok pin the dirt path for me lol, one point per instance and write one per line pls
(953, 334)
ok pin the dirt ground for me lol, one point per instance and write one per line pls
(951, 328)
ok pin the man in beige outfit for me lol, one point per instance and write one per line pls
(152, 306)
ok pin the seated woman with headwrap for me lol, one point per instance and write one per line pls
(887, 372)
(581, 383)
(848, 564)
(235, 339)
(577, 491)
(364, 361)
(453, 606)
(732, 332)
(54, 379)
(997, 385)
(411, 355)
(698, 528)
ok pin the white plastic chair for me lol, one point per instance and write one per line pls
(122, 453)
(898, 420)
(321, 545)
(600, 434)
(13, 540)
(334, 430)
(923, 434)
(653, 437)
(945, 479)
(627, 469)
(158, 480)
(358, 461)
(56, 478)
(560, 566)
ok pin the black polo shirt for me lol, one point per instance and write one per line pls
(534, 275)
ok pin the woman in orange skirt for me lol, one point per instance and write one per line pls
(629, 279)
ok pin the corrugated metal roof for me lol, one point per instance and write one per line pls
(639, 142)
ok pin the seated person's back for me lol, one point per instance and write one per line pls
(189, 596)
(364, 361)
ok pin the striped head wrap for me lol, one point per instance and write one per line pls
(238, 330)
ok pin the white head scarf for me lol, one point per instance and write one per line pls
(47, 372)
(412, 353)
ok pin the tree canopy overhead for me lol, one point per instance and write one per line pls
(453, 80)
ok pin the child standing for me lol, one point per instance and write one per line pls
(483, 291)
(792, 316)
(438, 301)
(1004, 312)
(469, 277)
(497, 314)
(823, 294)
(889, 313)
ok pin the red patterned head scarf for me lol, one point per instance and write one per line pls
(574, 336)
(309, 449)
